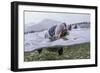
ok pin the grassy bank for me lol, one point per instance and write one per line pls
(79, 51)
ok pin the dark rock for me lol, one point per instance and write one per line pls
(60, 51)
(39, 51)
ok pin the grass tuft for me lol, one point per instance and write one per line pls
(79, 51)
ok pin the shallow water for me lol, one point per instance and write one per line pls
(37, 40)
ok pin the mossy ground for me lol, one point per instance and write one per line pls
(79, 51)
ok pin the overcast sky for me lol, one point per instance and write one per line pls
(36, 17)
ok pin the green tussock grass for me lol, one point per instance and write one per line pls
(79, 51)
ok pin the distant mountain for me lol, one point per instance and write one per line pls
(82, 24)
(43, 25)
(27, 28)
